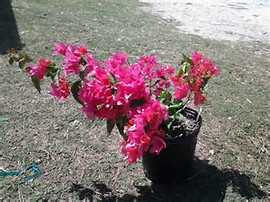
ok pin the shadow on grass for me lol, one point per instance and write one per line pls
(208, 183)
(9, 34)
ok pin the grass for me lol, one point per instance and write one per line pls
(77, 158)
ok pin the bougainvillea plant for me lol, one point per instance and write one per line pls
(136, 98)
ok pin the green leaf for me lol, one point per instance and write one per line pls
(22, 63)
(11, 60)
(55, 77)
(23, 60)
(82, 61)
(187, 59)
(112, 78)
(136, 103)
(176, 117)
(178, 101)
(75, 90)
(53, 72)
(36, 83)
(158, 80)
(179, 117)
(13, 56)
(26, 58)
(12, 51)
(165, 97)
(110, 126)
(121, 122)
(82, 74)
(173, 109)
(182, 69)
(184, 66)
(52, 67)
(121, 131)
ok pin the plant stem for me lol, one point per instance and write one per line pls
(200, 111)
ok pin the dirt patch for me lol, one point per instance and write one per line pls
(218, 19)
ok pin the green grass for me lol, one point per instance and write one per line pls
(79, 160)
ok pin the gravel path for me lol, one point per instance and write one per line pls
(234, 20)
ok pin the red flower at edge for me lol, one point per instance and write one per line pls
(61, 91)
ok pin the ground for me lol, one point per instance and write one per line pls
(78, 159)
(236, 20)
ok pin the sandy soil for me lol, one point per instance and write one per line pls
(234, 20)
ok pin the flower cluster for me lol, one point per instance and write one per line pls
(136, 97)
(195, 79)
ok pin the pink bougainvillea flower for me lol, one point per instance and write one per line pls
(176, 80)
(158, 144)
(82, 50)
(203, 66)
(136, 94)
(102, 78)
(163, 82)
(92, 64)
(121, 58)
(182, 91)
(154, 114)
(196, 57)
(181, 88)
(89, 110)
(99, 97)
(164, 71)
(148, 61)
(147, 66)
(61, 91)
(59, 48)
(115, 66)
(143, 130)
(199, 98)
(72, 60)
(40, 70)
(131, 151)
(145, 139)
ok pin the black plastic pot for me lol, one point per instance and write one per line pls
(175, 161)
